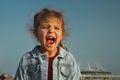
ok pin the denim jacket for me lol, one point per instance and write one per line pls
(34, 66)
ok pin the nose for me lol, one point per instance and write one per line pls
(51, 30)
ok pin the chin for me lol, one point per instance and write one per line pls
(51, 48)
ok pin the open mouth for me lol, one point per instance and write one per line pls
(50, 40)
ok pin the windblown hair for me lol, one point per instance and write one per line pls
(43, 15)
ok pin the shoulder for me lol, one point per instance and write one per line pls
(25, 59)
(67, 55)
(30, 56)
(33, 53)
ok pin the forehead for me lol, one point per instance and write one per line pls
(51, 20)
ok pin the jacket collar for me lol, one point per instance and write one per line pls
(62, 53)
(36, 52)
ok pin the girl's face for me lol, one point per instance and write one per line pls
(50, 34)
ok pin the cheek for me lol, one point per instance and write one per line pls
(40, 35)
(60, 36)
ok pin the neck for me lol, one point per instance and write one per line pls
(49, 53)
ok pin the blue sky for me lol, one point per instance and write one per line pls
(93, 27)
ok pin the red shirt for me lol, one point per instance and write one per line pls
(50, 68)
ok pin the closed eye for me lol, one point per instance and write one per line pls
(57, 28)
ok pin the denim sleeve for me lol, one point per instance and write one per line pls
(19, 72)
(77, 74)
(28, 69)
(75, 68)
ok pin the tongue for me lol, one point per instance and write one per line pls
(50, 41)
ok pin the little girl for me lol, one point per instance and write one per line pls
(49, 60)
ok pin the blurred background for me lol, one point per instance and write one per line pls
(93, 27)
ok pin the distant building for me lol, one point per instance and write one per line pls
(4, 76)
(97, 73)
